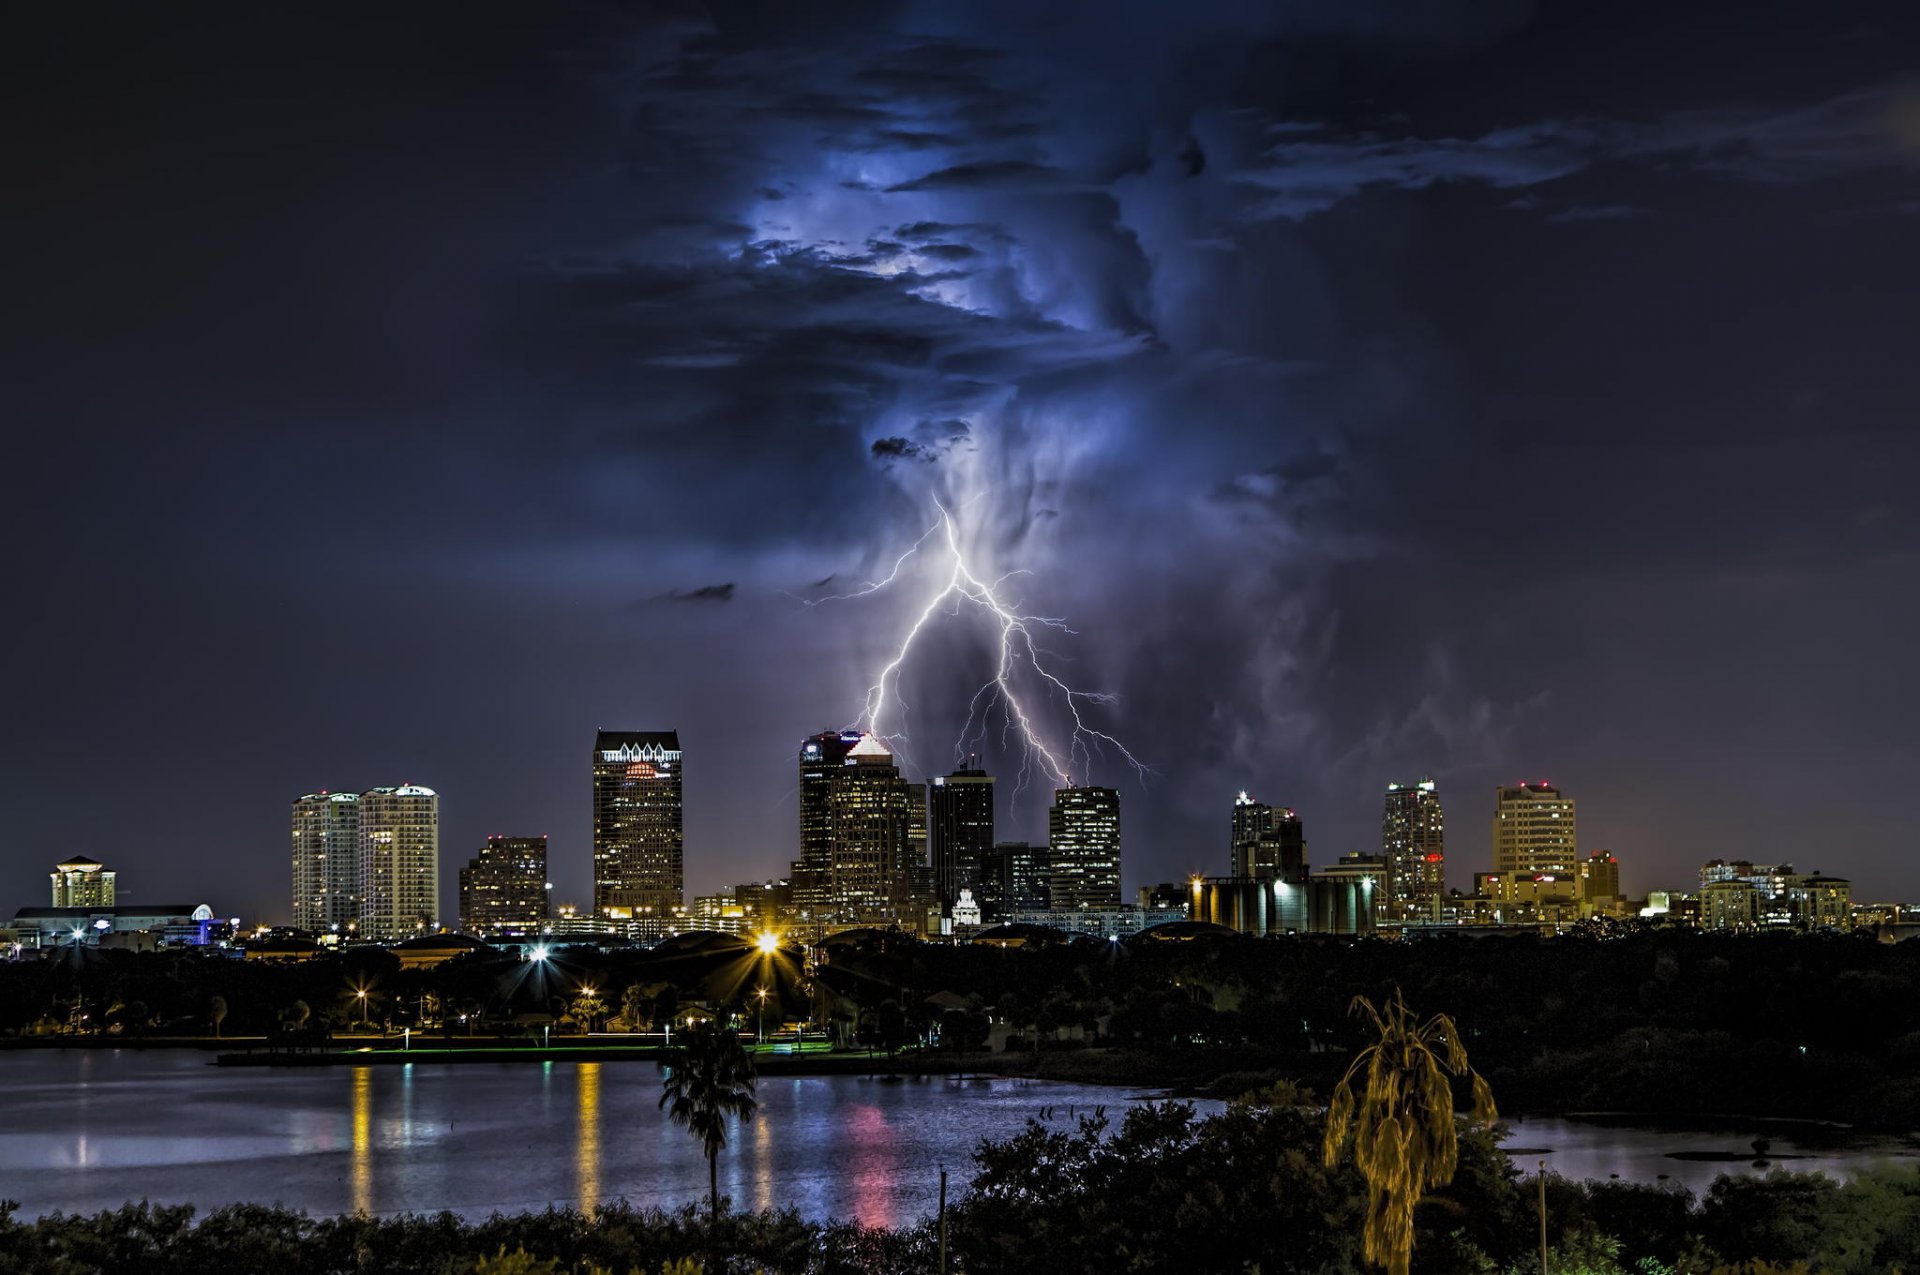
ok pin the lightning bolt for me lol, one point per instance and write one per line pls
(1019, 653)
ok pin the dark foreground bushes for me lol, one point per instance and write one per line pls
(1164, 1191)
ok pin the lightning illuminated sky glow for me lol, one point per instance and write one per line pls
(955, 584)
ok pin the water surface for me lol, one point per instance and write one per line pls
(87, 1130)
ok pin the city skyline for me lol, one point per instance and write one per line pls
(1461, 391)
(1239, 844)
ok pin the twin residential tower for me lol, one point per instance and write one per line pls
(367, 863)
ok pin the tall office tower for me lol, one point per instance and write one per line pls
(1014, 877)
(877, 873)
(959, 831)
(1269, 842)
(1083, 827)
(1413, 840)
(503, 889)
(81, 882)
(820, 761)
(399, 862)
(639, 878)
(326, 861)
(1533, 835)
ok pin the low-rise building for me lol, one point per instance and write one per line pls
(175, 925)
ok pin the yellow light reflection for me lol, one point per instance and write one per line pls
(762, 1163)
(362, 1175)
(586, 1163)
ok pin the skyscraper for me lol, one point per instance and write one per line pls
(959, 831)
(399, 862)
(879, 867)
(1269, 842)
(81, 882)
(1533, 836)
(326, 861)
(1083, 827)
(820, 760)
(639, 881)
(863, 836)
(1413, 840)
(503, 890)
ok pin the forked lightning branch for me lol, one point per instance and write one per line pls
(1023, 685)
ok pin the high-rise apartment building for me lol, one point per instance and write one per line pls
(1083, 827)
(1269, 842)
(1413, 840)
(399, 862)
(639, 879)
(81, 882)
(1533, 838)
(959, 831)
(326, 862)
(504, 890)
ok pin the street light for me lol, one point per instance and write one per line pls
(360, 994)
(768, 943)
(760, 1030)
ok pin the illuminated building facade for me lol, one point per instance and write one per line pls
(399, 862)
(863, 839)
(639, 877)
(1083, 849)
(1736, 894)
(1534, 838)
(1600, 880)
(1267, 841)
(326, 862)
(1413, 840)
(878, 869)
(81, 882)
(821, 757)
(1263, 906)
(959, 831)
(503, 889)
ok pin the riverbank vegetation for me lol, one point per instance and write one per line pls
(1649, 1021)
(1162, 1190)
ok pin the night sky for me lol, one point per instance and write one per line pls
(1474, 389)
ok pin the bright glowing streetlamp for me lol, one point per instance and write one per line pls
(768, 943)
(360, 994)
(760, 1028)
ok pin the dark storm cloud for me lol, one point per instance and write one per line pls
(705, 593)
(1310, 170)
(1377, 389)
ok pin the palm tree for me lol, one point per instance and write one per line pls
(709, 1077)
(1402, 1121)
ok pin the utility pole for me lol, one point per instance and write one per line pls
(1543, 1217)
(943, 1222)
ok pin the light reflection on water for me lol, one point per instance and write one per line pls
(587, 1138)
(86, 1131)
(362, 1139)
(81, 1132)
